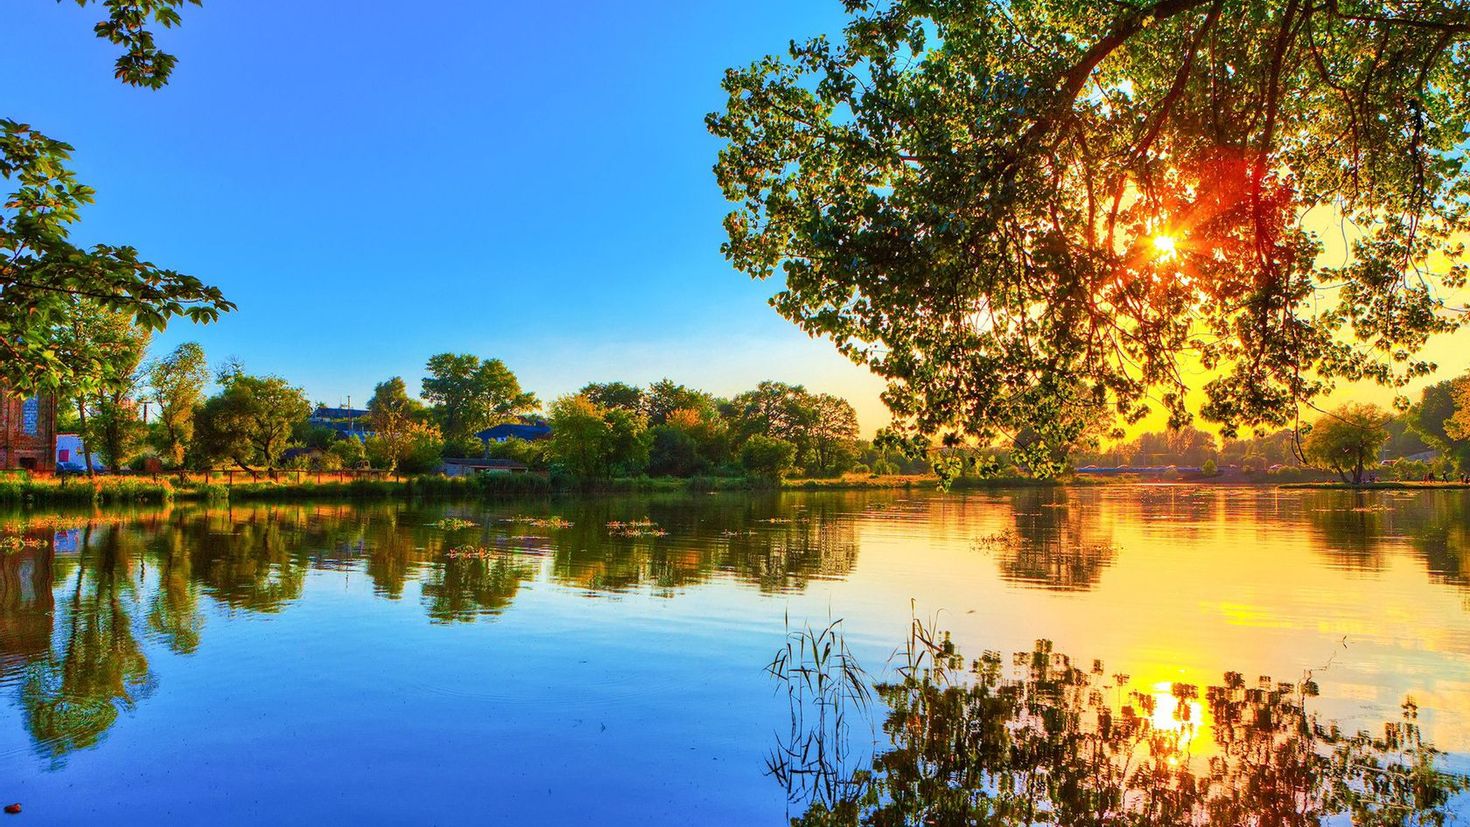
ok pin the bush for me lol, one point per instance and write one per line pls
(766, 457)
(349, 453)
(1209, 469)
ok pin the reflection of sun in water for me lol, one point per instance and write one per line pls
(1165, 247)
(1171, 716)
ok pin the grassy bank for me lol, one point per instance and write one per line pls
(1386, 485)
(20, 490)
(109, 490)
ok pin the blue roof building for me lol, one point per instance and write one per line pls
(529, 432)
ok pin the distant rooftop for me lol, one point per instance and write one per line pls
(325, 413)
(500, 433)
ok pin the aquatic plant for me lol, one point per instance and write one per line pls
(635, 528)
(453, 524)
(825, 687)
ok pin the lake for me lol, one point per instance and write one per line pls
(606, 660)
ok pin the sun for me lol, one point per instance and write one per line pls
(1165, 247)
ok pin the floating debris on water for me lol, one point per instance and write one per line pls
(539, 522)
(636, 528)
(454, 524)
(998, 540)
(14, 543)
(472, 552)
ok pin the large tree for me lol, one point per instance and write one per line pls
(42, 273)
(177, 384)
(469, 394)
(1020, 213)
(251, 420)
(1347, 440)
(589, 441)
(100, 350)
(823, 428)
(397, 423)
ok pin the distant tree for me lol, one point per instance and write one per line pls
(673, 453)
(822, 428)
(1440, 418)
(530, 453)
(43, 274)
(666, 396)
(591, 442)
(690, 441)
(395, 419)
(1457, 424)
(176, 383)
(410, 448)
(1279, 447)
(1347, 440)
(251, 420)
(470, 395)
(349, 453)
(116, 430)
(768, 458)
(1403, 439)
(833, 432)
(1022, 213)
(609, 395)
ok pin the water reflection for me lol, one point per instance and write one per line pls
(1038, 739)
(94, 605)
(80, 594)
(1056, 541)
(93, 667)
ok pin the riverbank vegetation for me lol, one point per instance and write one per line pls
(617, 436)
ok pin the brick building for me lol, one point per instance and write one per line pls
(27, 432)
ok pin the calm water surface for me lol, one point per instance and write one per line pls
(601, 661)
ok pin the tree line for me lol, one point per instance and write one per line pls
(160, 413)
(1428, 438)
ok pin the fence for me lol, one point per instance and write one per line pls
(229, 476)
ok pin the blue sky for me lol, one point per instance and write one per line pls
(375, 182)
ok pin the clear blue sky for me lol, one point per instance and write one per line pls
(374, 182)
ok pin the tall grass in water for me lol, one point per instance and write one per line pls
(20, 489)
(825, 687)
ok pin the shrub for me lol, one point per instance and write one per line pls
(766, 457)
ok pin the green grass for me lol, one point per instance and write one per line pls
(21, 490)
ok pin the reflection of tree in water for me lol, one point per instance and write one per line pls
(463, 588)
(173, 611)
(95, 667)
(766, 541)
(1441, 535)
(248, 558)
(1351, 526)
(1356, 530)
(1056, 542)
(1047, 742)
(783, 553)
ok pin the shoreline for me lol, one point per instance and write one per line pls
(107, 490)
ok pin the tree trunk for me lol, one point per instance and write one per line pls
(86, 437)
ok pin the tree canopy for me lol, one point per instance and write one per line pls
(1025, 215)
(42, 272)
(471, 394)
(177, 382)
(251, 420)
(1347, 440)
